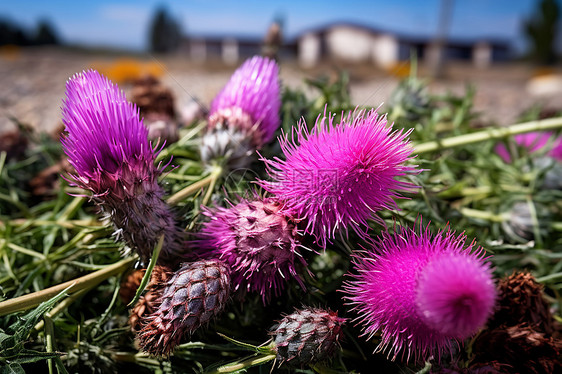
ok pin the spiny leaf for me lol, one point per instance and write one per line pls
(13, 344)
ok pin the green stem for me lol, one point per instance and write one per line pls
(488, 134)
(209, 180)
(71, 224)
(71, 209)
(216, 173)
(83, 283)
(29, 252)
(557, 226)
(239, 365)
(481, 214)
(550, 277)
(196, 130)
(148, 273)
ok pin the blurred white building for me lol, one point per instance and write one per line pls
(355, 43)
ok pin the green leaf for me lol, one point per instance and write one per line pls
(31, 318)
(13, 344)
(148, 273)
(27, 356)
(12, 368)
(6, 341)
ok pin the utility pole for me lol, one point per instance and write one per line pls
(436, 52)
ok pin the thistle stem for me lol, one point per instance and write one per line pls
(239, 365)
(488, 134)
(192, 133)
(49, 332)
(550, 277)
(481, 214)
(83, 283)
(216, 174)
(70, 224)
(209, 180)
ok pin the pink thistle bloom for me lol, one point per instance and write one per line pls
(340, 174)
(421, 292)
(250, 101)
(532, 142)
(108, 146)
(258, 242)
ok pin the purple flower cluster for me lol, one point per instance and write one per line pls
(420, 291)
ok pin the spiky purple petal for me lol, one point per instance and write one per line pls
(339, 174)
(104, 131)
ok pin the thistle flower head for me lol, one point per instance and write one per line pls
(339, 174)
(251, 100)
(258, 241)
(108, 146)
(307, 336)
(420, 291)
(107, 142)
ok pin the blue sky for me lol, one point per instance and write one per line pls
(124, 23)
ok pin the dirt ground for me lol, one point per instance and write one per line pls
(33, 84)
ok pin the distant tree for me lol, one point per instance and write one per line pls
(11, 33)
(542, 30)
(45, 34)
(165, 32)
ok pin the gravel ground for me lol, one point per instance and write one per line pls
(33, 85)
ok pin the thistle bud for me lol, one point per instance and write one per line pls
(195, 293)
(307, 336)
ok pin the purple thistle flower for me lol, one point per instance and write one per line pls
(250, 101)
(420, 291)
(257, 241)
(340, 174)
(533, 142)
(107, 144)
